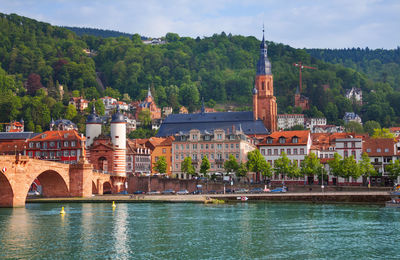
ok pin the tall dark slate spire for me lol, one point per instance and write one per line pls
(263, 64)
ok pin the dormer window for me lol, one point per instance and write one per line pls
(282, 140)
(269, 140)
(295, 140)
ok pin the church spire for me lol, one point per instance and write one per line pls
(149, 92)
(263, 64)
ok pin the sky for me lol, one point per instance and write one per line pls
(298, 23)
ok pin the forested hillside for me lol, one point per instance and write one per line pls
(97, 32)
(35, 57)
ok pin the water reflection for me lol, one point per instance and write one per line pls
(176, 231)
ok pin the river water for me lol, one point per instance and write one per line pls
(197, 231)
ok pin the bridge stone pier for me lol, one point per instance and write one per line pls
(17, 173)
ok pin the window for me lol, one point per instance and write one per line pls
(295, 140)
(269, 140)
(37, 154)
(346, 154)
(65, 143)
(52, 144)
(207, 138)
(206, 146)
(378, 150)
(386, 150)
(164, 150)
(73, 143)
(289, 151)
(353, 153)
(231, 146)
(31, 145)
(269, 151)
(368, 150)
(282, 151)
(237, 156)
(195, 146)
(212, 146)
(37, 145)
(176, 166)
(282, 140)
(219, 146)
(58, 153)
(30, 154)
(275, 151)
(201, 146)
(219, 136)
(226, 156)
(181, 146)
(44, 145)
(301, 150)
(226, 146)
(262, 151)
(187, 147)
(73, 153)
(177, 147)
(182, 156)
(66, 153)
(295, 151)
(177, 156)
(194, 137)
(237, 146)
(212, 156)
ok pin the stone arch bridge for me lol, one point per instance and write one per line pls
(17, 173)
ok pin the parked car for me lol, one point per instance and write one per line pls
(197, 192)
(182, 192)
(241, 190)
(154, 192)
(124, 192)
(169, 191)
(138, 192)
(33, 193)
(256, 190)
(212, 192)
(283, 189)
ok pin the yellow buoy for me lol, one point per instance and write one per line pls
(62, 212)
(113, 205)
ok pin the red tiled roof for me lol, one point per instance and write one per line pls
(59, 135)
(394, 129)
(288, 135)
(373, 144)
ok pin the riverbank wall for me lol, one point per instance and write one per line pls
(371, 197)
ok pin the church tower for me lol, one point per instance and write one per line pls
(264, 101)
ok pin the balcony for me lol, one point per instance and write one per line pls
(219, 161)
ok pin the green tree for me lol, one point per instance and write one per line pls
(393, 169)
(311, 165)
(110, 92)
(231, 165)
(350, 168)
(242, 170)
(369, 126)
(284, 166)
(205, 166)
(75, 93)
(70, 112)
(366, 168)
(160, 165)
(257, 163)
(354, 127)
(144, 117)
(335, 165)
(382, 133)
(187, 166)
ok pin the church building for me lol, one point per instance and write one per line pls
(262, 120)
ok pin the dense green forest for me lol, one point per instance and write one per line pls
(97, 32)
(36, 57)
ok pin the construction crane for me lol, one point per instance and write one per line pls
(301, 67)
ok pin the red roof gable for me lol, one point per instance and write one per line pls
(302, 136)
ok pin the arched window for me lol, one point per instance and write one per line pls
(263, 85)
(103, 164)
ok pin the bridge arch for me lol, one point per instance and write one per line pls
(53, 184)
(6, 192)
(95, 190)
(107, 188)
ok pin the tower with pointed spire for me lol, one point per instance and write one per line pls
(264, 101)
